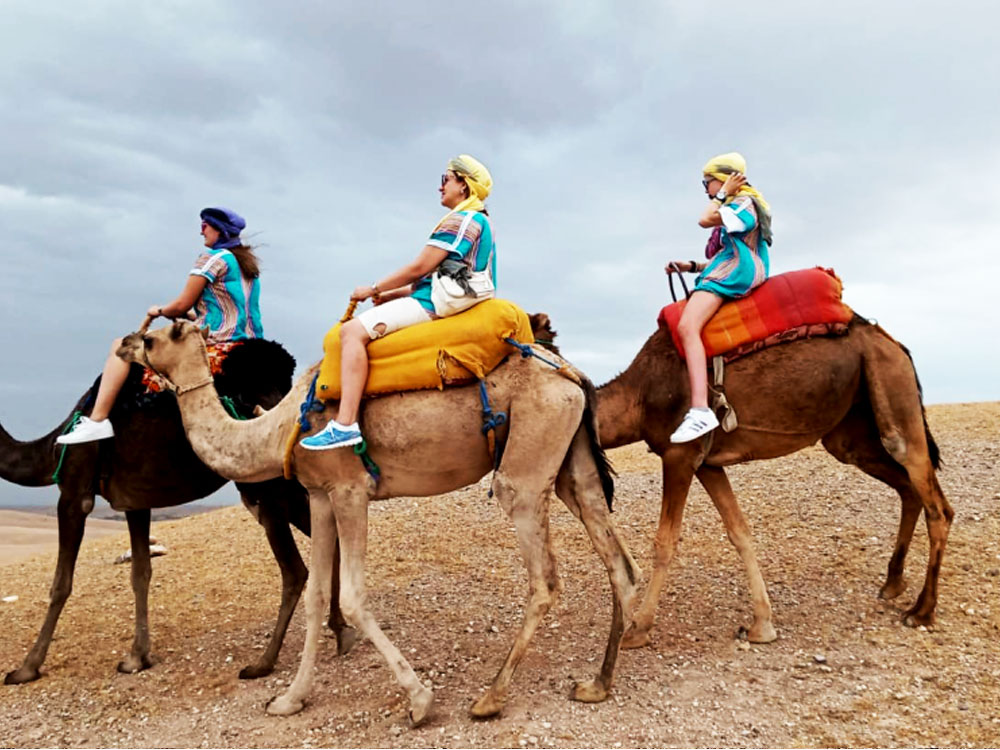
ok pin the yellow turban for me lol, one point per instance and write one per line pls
(723, 165)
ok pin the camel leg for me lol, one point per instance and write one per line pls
(856, 441)
(525, 502)
(716, 484)
(345, 634)
(896, 404)
(352, 528)
(142, 571)
(324, 536)
(678, 471)
(72, 518)
(579, 487)
(293, 580)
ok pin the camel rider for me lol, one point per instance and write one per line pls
(403, 298)
(738, 263)
(224, 289)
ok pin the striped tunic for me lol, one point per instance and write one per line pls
(468, 236)
(742, 264)
(230, 303)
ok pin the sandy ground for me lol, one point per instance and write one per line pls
(446, 582)
(24, 535)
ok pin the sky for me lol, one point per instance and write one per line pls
(870, 127)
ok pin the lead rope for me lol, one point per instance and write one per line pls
(73, 421)
(491, 421)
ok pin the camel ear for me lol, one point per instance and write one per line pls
(175, 330)
(204, 332)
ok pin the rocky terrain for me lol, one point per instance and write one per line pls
(446, 581)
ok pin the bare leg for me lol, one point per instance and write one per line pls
(353, 370)
(142, 571)
(112, 379)
(715, 482)
(698, 310)
(72, 519)
(678, 471)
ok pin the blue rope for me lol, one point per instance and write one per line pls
(490, 420)
(527, 351)
(310, 404)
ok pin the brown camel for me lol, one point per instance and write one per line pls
(426, 443)
(149, 465)
(858, 394)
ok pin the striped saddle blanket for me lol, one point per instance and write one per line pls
(786, 307)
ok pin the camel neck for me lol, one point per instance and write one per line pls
(243, 451)
(619, 412)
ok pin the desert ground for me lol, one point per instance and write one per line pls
(446, 582)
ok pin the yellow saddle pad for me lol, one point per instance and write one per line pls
(441, 352)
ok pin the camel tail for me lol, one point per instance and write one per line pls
(604, 468)
(932, 446)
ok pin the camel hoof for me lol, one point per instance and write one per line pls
(284, 706)
(913, 619)
(762, 632)
(590, 691)
(635, 638)
(487, 706)
(21, 676)
(346, 638)
(134, 664)
(420, 706)
(892, 589)
(256, 671)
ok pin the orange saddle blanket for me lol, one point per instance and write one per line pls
(789, 301)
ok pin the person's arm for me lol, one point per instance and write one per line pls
(185, 300)
(429, 259)
(711, 216)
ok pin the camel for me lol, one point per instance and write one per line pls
(426, 443)
(149, 464)
(858, 394)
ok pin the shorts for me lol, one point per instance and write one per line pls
(395, 314)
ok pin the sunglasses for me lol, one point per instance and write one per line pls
(705, 183)
(450, 176)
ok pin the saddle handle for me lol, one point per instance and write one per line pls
(680, 275)
(349, 312)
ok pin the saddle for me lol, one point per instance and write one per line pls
(456, 350)
(786, 307)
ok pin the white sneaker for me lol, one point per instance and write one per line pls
(697, 422)
(87, 430)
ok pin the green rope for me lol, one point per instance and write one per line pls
(231, 408)
(73, 420)
(361, 451)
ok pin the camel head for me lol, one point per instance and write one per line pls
(179, 347)
(541, 327)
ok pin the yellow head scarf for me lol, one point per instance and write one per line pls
(723, 165)
(477, 177)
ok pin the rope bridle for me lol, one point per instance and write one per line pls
(179, 390)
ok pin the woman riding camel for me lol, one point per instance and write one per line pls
(224, 289)
(738, 263)
(403, 298)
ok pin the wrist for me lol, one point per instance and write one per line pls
(376, 294)
(721, 196)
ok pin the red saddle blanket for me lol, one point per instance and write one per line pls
(798, 303)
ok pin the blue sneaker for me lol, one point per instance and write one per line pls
(334, 435)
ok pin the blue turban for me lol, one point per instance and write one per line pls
(227, 223)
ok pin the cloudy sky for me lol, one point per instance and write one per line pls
(871, 128)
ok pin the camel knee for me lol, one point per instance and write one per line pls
(895, 445)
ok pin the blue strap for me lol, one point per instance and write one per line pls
(490, 420)
(527, 351)
(310, 404)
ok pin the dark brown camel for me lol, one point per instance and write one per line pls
(858, 394)
(149, 464)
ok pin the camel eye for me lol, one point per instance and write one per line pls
(148, 341)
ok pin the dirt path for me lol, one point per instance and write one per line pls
(446, 581)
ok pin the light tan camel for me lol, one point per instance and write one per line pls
(858, 394)
(426, 443)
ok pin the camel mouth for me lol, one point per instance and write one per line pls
(129, 349)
